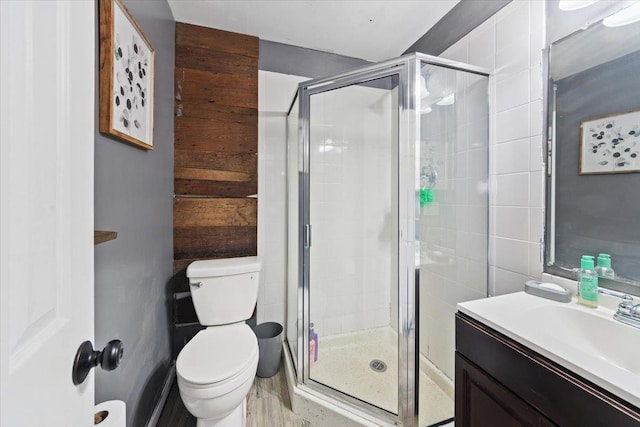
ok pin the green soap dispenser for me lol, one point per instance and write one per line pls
(604, 267)
(587, 283)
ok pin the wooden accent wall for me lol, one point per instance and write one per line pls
(216, 146)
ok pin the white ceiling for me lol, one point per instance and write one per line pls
(367, 29)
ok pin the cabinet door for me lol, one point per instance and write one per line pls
(482, 401)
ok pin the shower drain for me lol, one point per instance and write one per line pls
(378, 365)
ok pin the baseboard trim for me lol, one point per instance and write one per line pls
(166, 388)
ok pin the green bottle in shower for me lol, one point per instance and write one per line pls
(426, 196)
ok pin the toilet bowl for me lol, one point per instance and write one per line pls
(215, 372)
(217, 367)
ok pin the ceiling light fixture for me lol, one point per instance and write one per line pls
(569, 5)
(424, 92)
(447, 100)
(426, 109)
(626, 16)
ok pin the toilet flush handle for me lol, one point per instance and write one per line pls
(196, 284)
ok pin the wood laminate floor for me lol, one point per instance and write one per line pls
(268, 405)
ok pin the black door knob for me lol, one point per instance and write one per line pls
(112, 355)
(87, 358)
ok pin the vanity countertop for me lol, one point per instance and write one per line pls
(586, 341)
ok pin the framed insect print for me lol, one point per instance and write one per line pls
(610, 144)
(126, 76)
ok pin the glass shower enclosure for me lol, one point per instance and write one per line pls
(387, 232)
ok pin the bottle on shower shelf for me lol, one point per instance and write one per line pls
(313, 338)
(312, 350)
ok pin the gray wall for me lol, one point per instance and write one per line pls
(133, 196)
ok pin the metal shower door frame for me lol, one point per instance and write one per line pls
(404, 68)
(408, 70)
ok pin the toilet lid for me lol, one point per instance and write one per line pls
(217, 353)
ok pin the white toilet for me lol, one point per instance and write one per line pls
(217, 367)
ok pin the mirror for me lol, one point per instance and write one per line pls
(593, 162)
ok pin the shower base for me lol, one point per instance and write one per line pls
(344, 363)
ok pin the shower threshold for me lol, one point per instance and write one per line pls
(344, 364)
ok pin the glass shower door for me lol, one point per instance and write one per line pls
(352, 239)
(453, 221)
(388, 216)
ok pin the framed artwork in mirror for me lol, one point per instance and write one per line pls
(610, 144)
(126, 77)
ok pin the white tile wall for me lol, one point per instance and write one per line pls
(511, 190)
(512, 124)
(511, 43)
(453, 227)
(351, 195)
(275, 93)
(512, 157)
(482, 49)
(512, 91)
(511, 222)
(536, 161)
(356, 287)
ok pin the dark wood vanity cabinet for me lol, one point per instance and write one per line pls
(501, 383)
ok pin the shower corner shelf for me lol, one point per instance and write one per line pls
(100, 236)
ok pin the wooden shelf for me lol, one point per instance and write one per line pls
(103, 236)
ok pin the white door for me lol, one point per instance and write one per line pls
(47, 101)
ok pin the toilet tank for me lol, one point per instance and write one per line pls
(224, 290)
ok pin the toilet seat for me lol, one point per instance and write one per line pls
(218, 355)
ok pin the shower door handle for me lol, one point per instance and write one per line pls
(307, 235)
